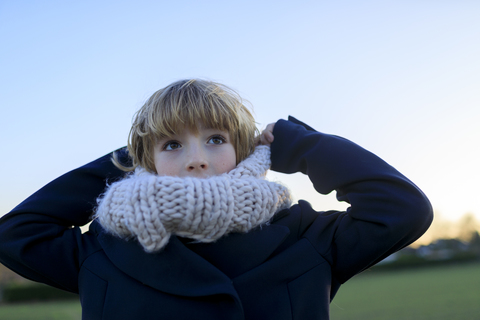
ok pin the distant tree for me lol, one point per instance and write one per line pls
(467, 228)
(474, 244)
(6, 277)
(441, 228)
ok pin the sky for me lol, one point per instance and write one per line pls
(400, 78)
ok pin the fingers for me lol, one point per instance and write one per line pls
(266, 137)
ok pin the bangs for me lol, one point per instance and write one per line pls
(184, 105)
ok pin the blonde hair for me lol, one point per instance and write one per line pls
(186, 104)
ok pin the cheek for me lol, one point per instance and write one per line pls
(229, 160)
(227, 166)
(164, 167)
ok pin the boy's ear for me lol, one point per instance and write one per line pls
(296, 121)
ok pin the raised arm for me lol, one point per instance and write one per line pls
(387, 213)
(41, 240)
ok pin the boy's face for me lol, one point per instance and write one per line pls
(208, 153)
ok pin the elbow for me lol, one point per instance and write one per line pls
(426, 212)
(5, 238)
(419, 213)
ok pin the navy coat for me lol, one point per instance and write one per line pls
(290, 269)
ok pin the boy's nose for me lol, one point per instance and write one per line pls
(197, 165)
(197, 162)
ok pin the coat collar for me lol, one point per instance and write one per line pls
(193, 269)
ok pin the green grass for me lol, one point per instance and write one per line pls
(443, 292)
(55, 310)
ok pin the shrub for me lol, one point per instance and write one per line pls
(34, 292)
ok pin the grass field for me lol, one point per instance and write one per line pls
(56, 310)
(446, 292)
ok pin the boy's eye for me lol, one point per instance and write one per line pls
(171, 145)
(217, 140)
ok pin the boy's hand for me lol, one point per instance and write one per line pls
(266, 137)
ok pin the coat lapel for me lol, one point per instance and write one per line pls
(175, 269)
(238, 253)
(182, 269)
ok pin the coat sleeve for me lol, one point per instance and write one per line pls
(41, 239)
(387, 211)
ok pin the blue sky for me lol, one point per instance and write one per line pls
(400, 78)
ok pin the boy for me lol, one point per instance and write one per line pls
(197, 176)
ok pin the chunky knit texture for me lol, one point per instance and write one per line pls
(150, 208)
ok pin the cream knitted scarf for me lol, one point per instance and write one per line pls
(150, 208)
